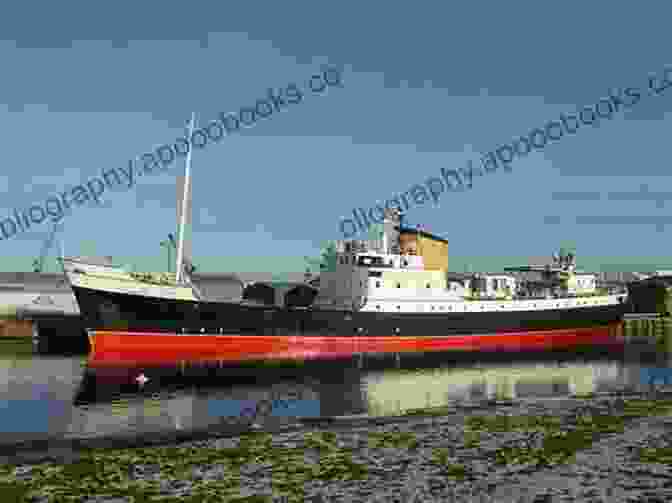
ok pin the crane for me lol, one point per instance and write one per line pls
(38, 263)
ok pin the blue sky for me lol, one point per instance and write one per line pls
(425, 85)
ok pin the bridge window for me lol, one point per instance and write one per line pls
(366, 261)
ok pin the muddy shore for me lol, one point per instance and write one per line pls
(579, 449)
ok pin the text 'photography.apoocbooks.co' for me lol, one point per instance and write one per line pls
(57, 206)
(461, 179)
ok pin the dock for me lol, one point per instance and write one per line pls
(41, 306)
(38, 306)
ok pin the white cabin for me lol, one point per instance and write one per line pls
(407, 272)
(492, 286)
(582, 284)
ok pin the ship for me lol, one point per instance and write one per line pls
(392, 292)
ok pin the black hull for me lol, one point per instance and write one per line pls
(103, 310)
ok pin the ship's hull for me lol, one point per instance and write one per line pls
(161, 348)
(121, 321)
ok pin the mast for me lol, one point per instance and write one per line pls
(183, 217)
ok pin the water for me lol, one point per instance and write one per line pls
(70, 396)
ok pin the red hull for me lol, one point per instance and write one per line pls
(160, 348)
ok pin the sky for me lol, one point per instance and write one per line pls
(424, 86)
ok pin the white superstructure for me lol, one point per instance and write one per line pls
(377, 276)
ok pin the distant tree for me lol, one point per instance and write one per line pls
(568, 246)
(327, 261)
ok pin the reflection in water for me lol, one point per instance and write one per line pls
(392, 392)
(376, 385)
(93, 397)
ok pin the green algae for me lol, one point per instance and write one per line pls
(394, 439)
(662, 455)
(560, 446)
(501, 423)
(111, 472)
(430, 411)
(441, 457)
(472, 439)
(16, 492)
